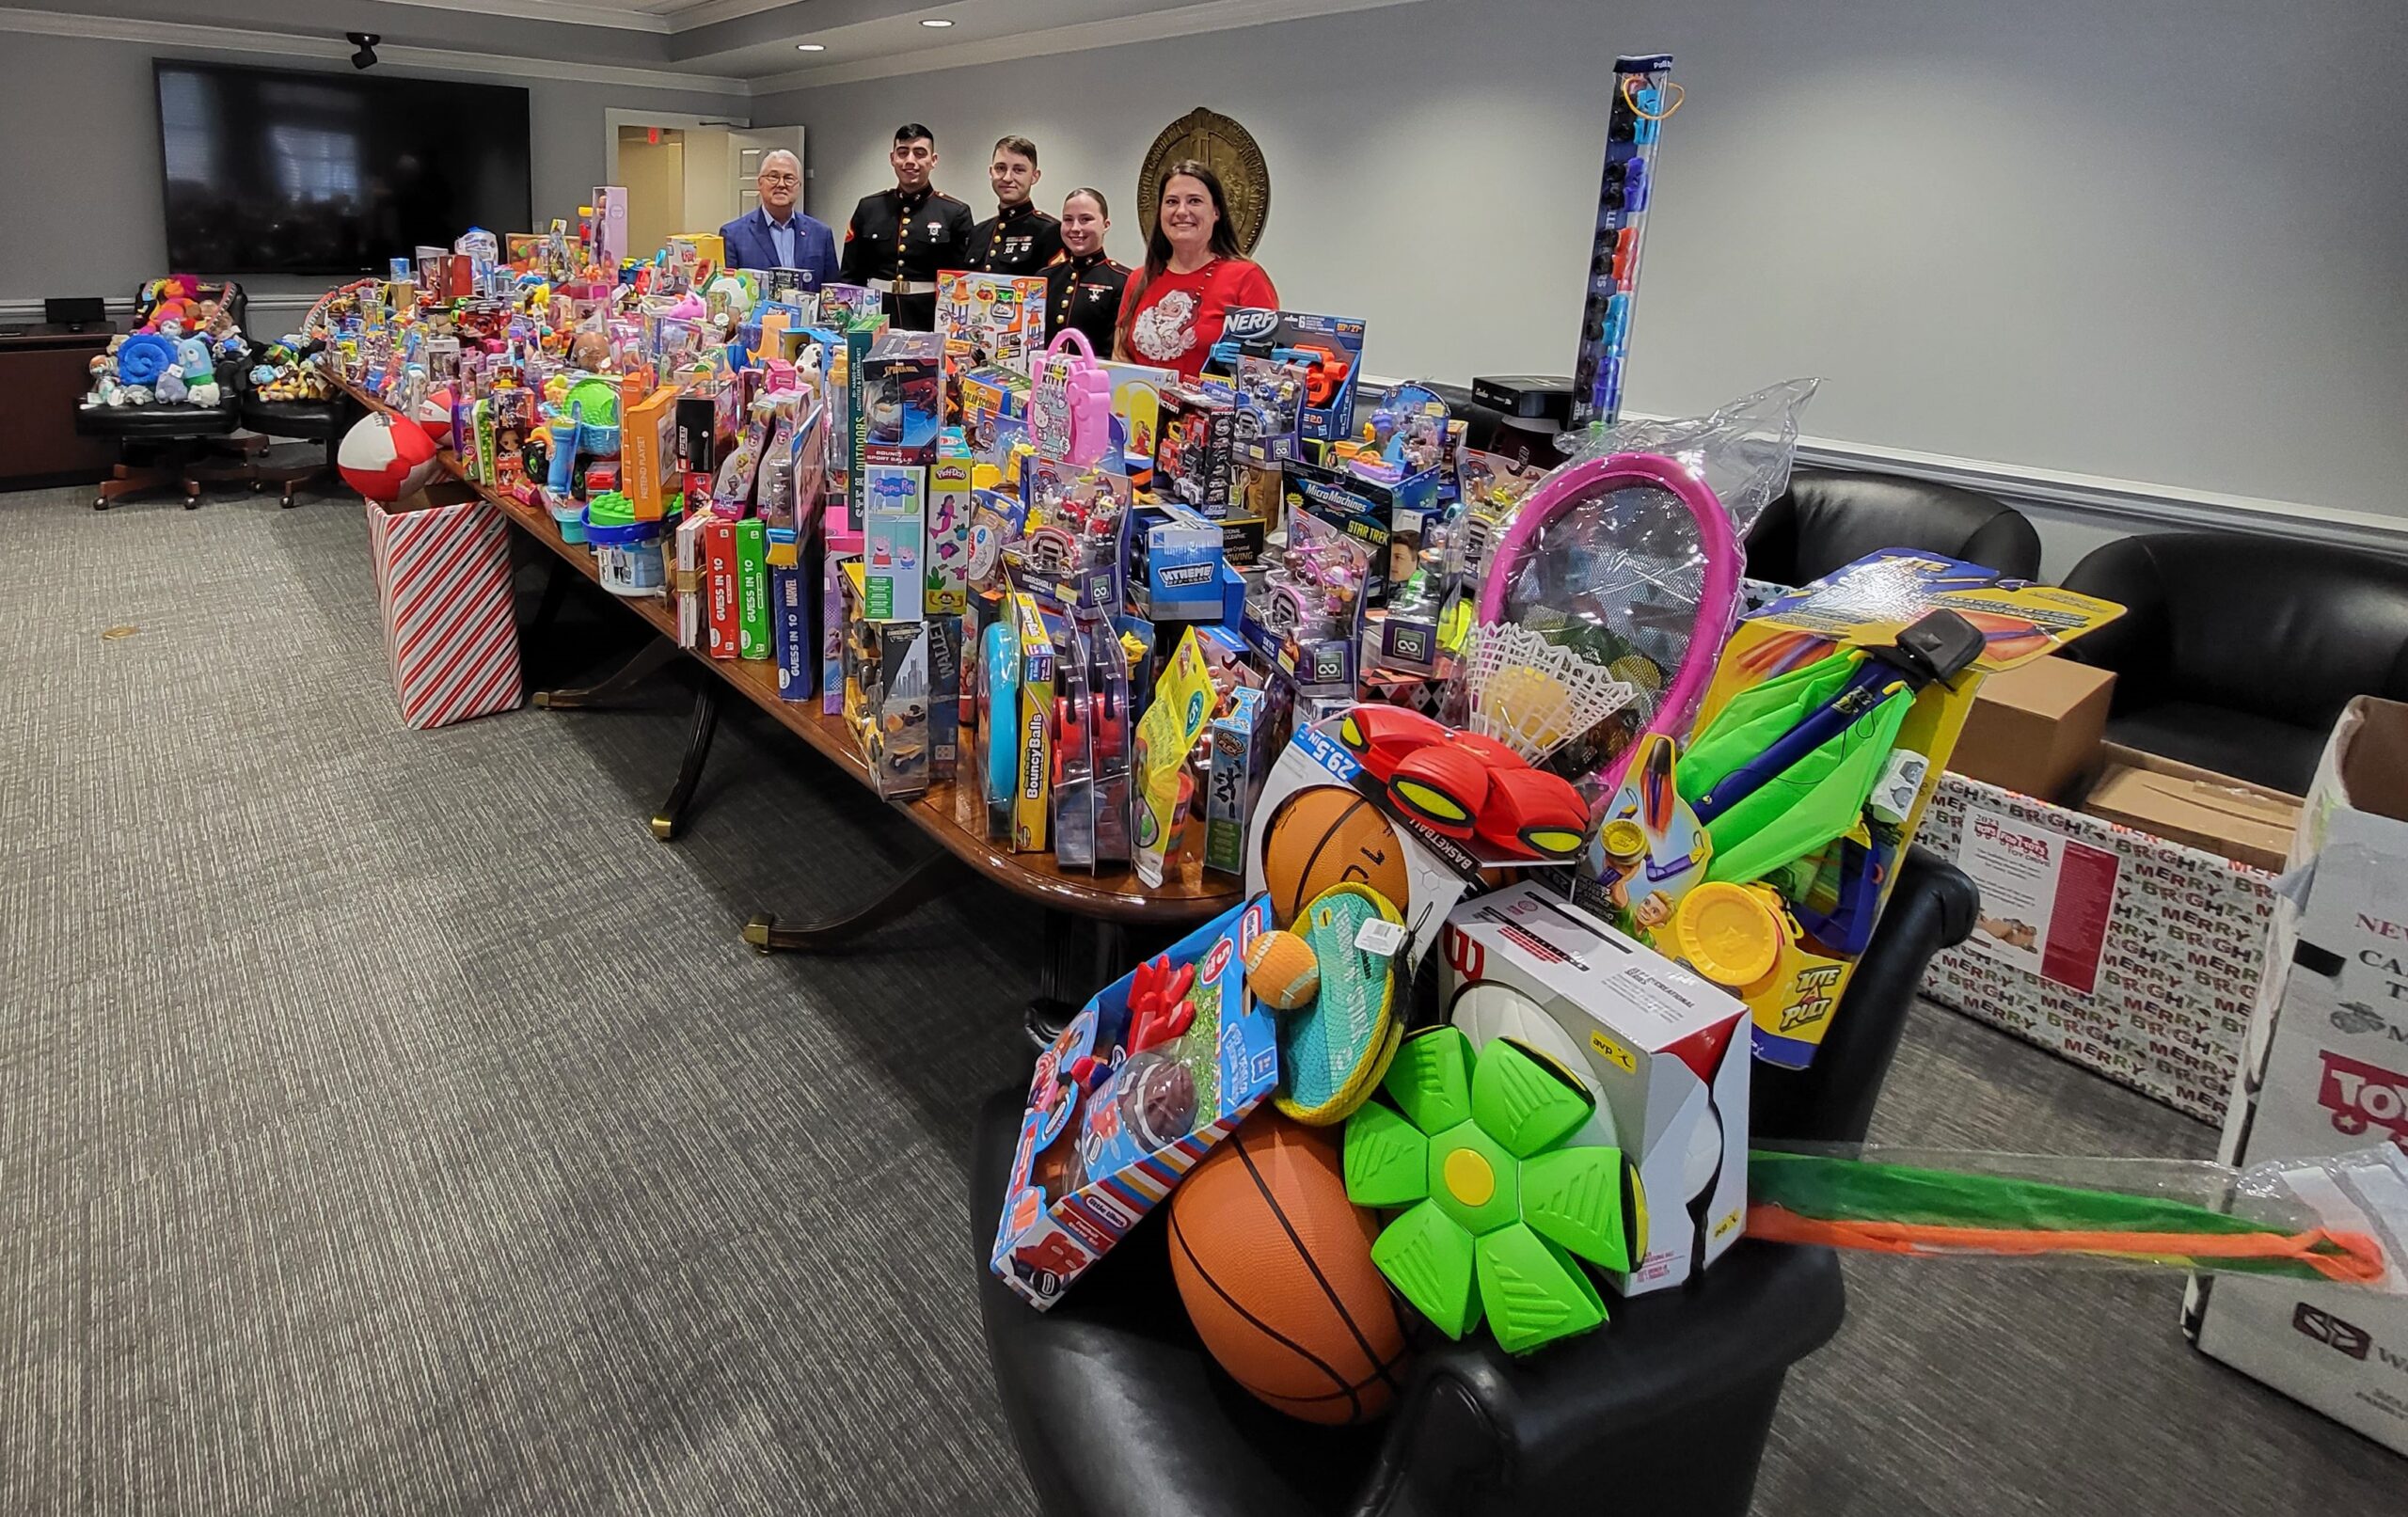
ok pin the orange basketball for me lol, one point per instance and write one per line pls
(1327, 836)
(1274, 1265)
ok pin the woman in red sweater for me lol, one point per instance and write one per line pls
(1194, 276)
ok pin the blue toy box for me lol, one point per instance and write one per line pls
(1175, 565)
(1089, 1166)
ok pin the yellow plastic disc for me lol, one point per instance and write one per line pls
(1469, 1179)
(1625, 842)
(1728, 934)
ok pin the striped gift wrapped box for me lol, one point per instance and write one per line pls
(443, 586)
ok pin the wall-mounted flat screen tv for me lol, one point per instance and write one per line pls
(279, 171)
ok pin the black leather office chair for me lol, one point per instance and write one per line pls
(175, 445)
(1118, 1409)
(322, 422)
(2238, 652)
(1827, 519)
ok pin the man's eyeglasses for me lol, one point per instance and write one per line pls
(780, 179)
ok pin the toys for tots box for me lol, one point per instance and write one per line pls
(2327, 1073)
(1662, 1050)
(1114, 1120)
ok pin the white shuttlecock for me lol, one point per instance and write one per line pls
(1535, 696)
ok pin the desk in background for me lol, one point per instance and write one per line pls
(45, 373)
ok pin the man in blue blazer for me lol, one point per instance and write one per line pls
(778, 236)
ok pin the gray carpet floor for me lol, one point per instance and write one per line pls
(388, 1124)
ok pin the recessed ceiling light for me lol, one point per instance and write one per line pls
(936, 20)
(811, 47)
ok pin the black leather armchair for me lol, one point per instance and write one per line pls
(173, 444)
(1827, 519)
(1118, 1409)
(321, 422)
(2238, 652)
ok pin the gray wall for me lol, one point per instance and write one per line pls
(85, 194)
(2155, 240)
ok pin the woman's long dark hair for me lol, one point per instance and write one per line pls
(1224, 243)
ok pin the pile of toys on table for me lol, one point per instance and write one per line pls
(182, 331)
(1406, 699)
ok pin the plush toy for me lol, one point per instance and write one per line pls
(171, 389)
(174, 297)
(132, 395)
(198, 368)
(143, 357)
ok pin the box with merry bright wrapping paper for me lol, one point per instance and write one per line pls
(443, 589)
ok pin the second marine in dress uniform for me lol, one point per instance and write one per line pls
(899, 238)
(1018, 238)
(1082, 287)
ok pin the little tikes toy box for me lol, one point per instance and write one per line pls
(1108, 1132)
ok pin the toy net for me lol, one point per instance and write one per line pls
(1535, 696)
(1625, 576)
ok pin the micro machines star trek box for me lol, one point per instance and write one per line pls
(2325, 1072)
(1663, 1052)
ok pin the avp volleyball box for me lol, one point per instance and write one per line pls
(1116, 1115)
(1659, 1048)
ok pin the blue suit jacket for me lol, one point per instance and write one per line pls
(749, 246)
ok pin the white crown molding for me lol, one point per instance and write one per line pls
(279, 44)
(567, 12)
(1080, 37)
(685, 18)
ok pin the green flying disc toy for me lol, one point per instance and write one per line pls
(1497, 1210)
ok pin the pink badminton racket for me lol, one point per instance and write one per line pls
(1631, 559)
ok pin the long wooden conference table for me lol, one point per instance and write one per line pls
(1114, 902)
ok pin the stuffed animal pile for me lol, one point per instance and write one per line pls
(183, 332)
(290, 370)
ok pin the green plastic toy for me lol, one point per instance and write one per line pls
(1496, 1207)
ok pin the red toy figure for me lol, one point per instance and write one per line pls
(1159, 1009)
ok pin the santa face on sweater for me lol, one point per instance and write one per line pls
(1166, 330)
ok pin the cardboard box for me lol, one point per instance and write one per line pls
(902, 398)
(951, 498)
(719, 566)
(689, 580)
(1240, 739)
(2033, 729)
(442, 560)
(648, 452)
(2248, 824)
(1192, 459)
(1175, 568)
(706, 428)
(2329, 1075)
(753, 638)
(1087, 1166)
(2143, 961)
(1660, 1049)
(895, 525)
(795, 630)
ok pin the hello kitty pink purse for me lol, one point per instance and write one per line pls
(1070, 401)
